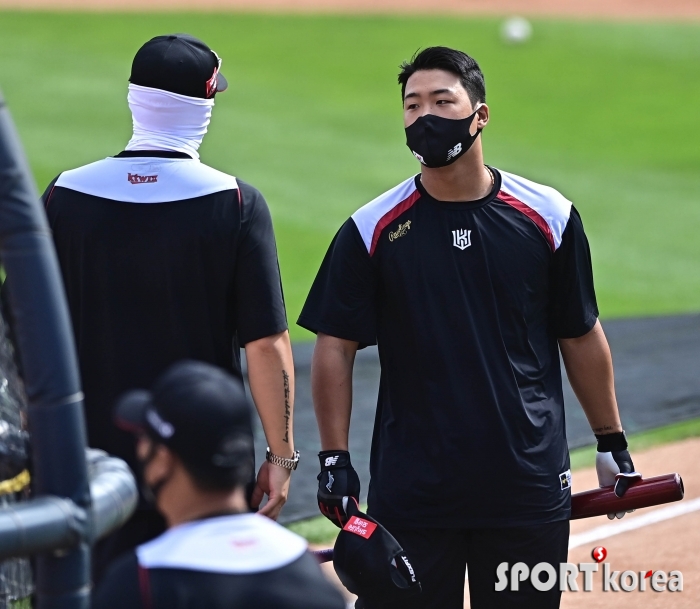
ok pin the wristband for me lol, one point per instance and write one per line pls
(611, 442)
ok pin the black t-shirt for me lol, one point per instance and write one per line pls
(246, 562)
(466, 302)
(163, 258)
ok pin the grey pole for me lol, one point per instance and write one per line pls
(47, 524)
(47, 359)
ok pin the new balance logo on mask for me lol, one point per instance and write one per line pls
(454, 151)
(331, 461)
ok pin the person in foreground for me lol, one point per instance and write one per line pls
(165, 258)
(195, 437)
(471, 281)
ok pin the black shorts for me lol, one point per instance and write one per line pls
(441, 557)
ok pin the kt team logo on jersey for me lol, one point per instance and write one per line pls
(462, 238)
(544, 576)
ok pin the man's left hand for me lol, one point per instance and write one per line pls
(614, 465)
(272, 481)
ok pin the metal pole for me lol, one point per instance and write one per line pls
(47, 358)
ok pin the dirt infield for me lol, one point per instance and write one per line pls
(666, 546)
(616, 9)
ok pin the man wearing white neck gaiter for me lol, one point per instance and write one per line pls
(163, 259)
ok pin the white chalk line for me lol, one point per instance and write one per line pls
(632, 524)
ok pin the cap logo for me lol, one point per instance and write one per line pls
(164, 429)
(213, 81)
(360, 526)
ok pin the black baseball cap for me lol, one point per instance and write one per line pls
(370, 562)
(199, 412)
(178, 63)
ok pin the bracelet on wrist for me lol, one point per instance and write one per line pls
(290, 463)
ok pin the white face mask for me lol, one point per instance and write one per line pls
(167, 121)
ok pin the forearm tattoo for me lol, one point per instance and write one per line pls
(287, 407)
(602, 429)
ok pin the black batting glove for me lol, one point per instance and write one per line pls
(614, 465)
(337, 481)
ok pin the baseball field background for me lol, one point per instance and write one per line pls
(605, 111)
(603, 103)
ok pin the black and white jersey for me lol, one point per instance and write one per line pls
(163, 258)
(244, 561)
(466, 302)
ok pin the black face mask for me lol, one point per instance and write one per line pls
(148, 491)
(436, 141)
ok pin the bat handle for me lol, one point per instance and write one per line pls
(323, 555)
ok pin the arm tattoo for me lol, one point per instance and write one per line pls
(601, 429)
(287, 407)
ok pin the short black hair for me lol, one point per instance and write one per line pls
(449, 60)
(226, 480)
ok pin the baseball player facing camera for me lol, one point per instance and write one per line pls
(195, 449)
(471, 281)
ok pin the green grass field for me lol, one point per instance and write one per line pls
(607, 113)
(320, 530)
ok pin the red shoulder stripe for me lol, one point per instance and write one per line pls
(530, 213)
(390, 216)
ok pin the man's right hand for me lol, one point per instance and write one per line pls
(337, 480)
(272, 481)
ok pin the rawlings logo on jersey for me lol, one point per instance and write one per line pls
(135, 178)
(400, 231)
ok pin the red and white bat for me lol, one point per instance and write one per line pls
(600, 501)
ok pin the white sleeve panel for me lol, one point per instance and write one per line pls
(547, 202)
(368, 218)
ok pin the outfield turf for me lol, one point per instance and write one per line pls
(607, 113)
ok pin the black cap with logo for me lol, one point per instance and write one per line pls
(178, 63)
(199, 412)
(370, 562)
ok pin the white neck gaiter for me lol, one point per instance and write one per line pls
(167, 121)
